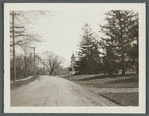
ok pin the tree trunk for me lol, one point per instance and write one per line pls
(121, 42)
(123, 66)
(25, 66)
(104, 71)
(51, 72)
(137, 65)
(137, 55)
(110, 73)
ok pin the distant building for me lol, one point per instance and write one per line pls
(72, 64)
(101, 60)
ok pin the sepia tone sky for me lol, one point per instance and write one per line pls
(62, 31)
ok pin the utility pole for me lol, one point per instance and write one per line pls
(38, 63)
(14, 59)
(34, 48)
(34, 59)
(25, 62)
(42, 70)
(13, 37)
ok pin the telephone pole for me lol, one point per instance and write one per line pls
(34, 58)
(25, 62)
(34, 48)
(14, 59)
(13, 36)
(43, 68)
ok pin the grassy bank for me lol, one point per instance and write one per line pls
(123, 99)
(102, 81)
(115, 81)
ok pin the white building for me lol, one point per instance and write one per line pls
(72, 64)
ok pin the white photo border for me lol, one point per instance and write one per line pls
(140, 7)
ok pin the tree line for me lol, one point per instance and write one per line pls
(116, 51)
(28, 64)
(46, 63)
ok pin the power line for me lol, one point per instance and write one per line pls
(34, 58)
(34, 48)
(14, 60)
(13, 36)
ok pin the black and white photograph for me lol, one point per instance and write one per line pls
(74, 58)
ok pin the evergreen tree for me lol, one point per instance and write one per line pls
(121, 30)
(88, 56)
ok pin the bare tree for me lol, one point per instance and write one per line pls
(25, 19)
(51, 61)
(27, 39)
(20, 34)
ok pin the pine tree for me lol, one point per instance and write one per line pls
(88, 55)
(119, 32)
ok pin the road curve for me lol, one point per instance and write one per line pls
(55, 91)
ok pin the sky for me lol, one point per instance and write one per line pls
(61, 31)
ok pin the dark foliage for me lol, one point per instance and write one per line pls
(120, 40)
(88, 55)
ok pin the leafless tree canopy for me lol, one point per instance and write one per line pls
(24, 19)
(51, 61)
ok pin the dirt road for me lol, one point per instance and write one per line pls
(55, 91)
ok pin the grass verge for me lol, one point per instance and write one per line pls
(17, 84)
(102, 81)
(123, 99)
(114, 81)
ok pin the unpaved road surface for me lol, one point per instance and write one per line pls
(55, 91)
